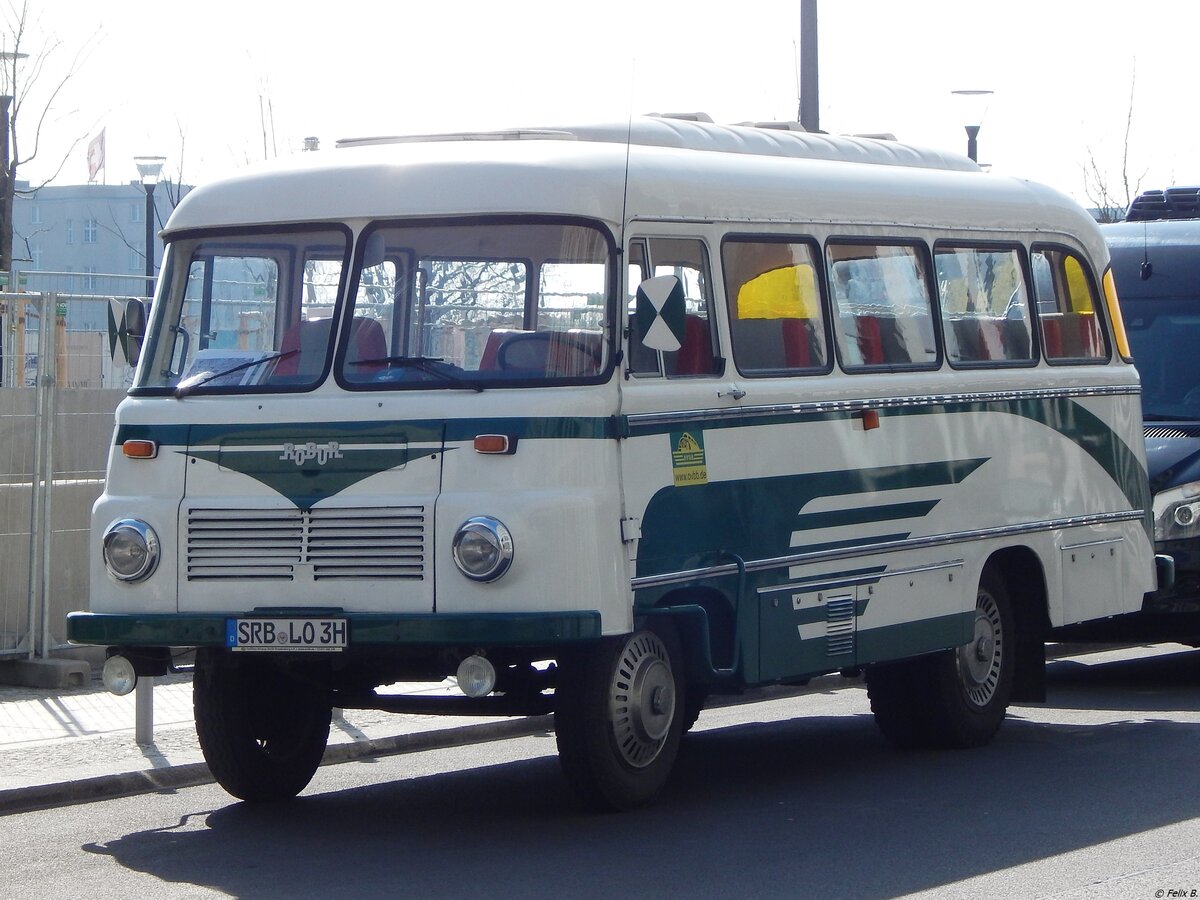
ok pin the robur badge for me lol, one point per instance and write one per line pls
(302, 453)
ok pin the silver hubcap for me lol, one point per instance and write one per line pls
(979, 661)
(641, 699)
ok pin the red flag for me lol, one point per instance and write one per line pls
(95, 156)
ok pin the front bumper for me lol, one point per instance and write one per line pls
(366, 629)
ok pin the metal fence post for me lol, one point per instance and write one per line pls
(37, 519)
(50, 329)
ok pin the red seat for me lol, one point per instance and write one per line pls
(307, 342)
(870, 340)
(367, 342)
(695, 355)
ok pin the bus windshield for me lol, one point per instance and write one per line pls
(430, 306)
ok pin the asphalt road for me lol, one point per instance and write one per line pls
(1092, 795)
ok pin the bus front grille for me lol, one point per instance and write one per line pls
(377, 543)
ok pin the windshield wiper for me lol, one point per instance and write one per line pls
(430, 365)
(200, 379)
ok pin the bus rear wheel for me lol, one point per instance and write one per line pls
(262, 733)
(955, 698)
(618, 719)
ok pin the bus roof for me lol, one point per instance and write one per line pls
(676, 170)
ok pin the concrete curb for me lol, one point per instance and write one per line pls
(169, 778)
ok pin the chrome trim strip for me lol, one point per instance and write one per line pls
(921, 543)
(1101, 543)
(825, 584)
(833, 406)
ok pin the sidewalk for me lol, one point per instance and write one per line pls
(75, 745)
(59, 747)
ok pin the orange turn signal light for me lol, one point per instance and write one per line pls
(870, 419)
(499, 444)
(140, 449)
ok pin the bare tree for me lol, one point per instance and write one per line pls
(25, 76)
(1112, 199)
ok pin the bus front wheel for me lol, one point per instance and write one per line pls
(618, 718)
(262, 734)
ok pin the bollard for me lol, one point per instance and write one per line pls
(143, 729)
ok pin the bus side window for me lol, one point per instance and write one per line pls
(688, 261)
(777, 322)
(880, 294)
(1067, 308)
(985, 305)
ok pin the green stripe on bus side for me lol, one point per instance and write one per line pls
(864, 515)
(415, 431)
(909, 638)
(366, 629)
(686, 528)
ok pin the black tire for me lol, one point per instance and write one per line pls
(262, 733)
(618, 718)
(957, 698)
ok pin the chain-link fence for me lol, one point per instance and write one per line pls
(59, 387)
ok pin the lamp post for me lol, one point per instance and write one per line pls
(149, 168)
(974, 106)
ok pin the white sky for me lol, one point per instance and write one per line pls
(188, 81)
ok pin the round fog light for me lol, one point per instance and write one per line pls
(119, 676)
(476, 676)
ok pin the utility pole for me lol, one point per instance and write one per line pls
(809, 104)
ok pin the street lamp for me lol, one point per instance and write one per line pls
(149, 168)
(974, 106)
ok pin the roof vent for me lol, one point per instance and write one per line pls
(776, 126)
(684, 117)
(1173, 203)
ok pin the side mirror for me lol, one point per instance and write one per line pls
(130, 331)
(661, 313)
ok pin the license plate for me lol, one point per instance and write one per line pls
(293, 635)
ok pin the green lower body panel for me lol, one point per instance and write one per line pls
(366, 629)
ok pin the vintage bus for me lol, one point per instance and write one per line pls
(1156, 264)
(603, 421)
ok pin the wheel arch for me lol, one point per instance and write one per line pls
(706, 621)
(1023, 575)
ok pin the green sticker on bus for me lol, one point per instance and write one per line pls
(687, 458)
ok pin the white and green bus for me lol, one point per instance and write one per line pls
(607, 421)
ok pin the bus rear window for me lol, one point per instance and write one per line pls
(1066, 304)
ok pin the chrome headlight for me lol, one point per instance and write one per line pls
(1177, 513)
(483, 548)
(130, 550)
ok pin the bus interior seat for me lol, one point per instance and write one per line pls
(573, 353)
(870, 339)
(491, 350)
(367, 342)
(695, 354)
(307, 341)
(767, 344)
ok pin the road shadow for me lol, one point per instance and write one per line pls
(1165, 682)
(813, 806)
